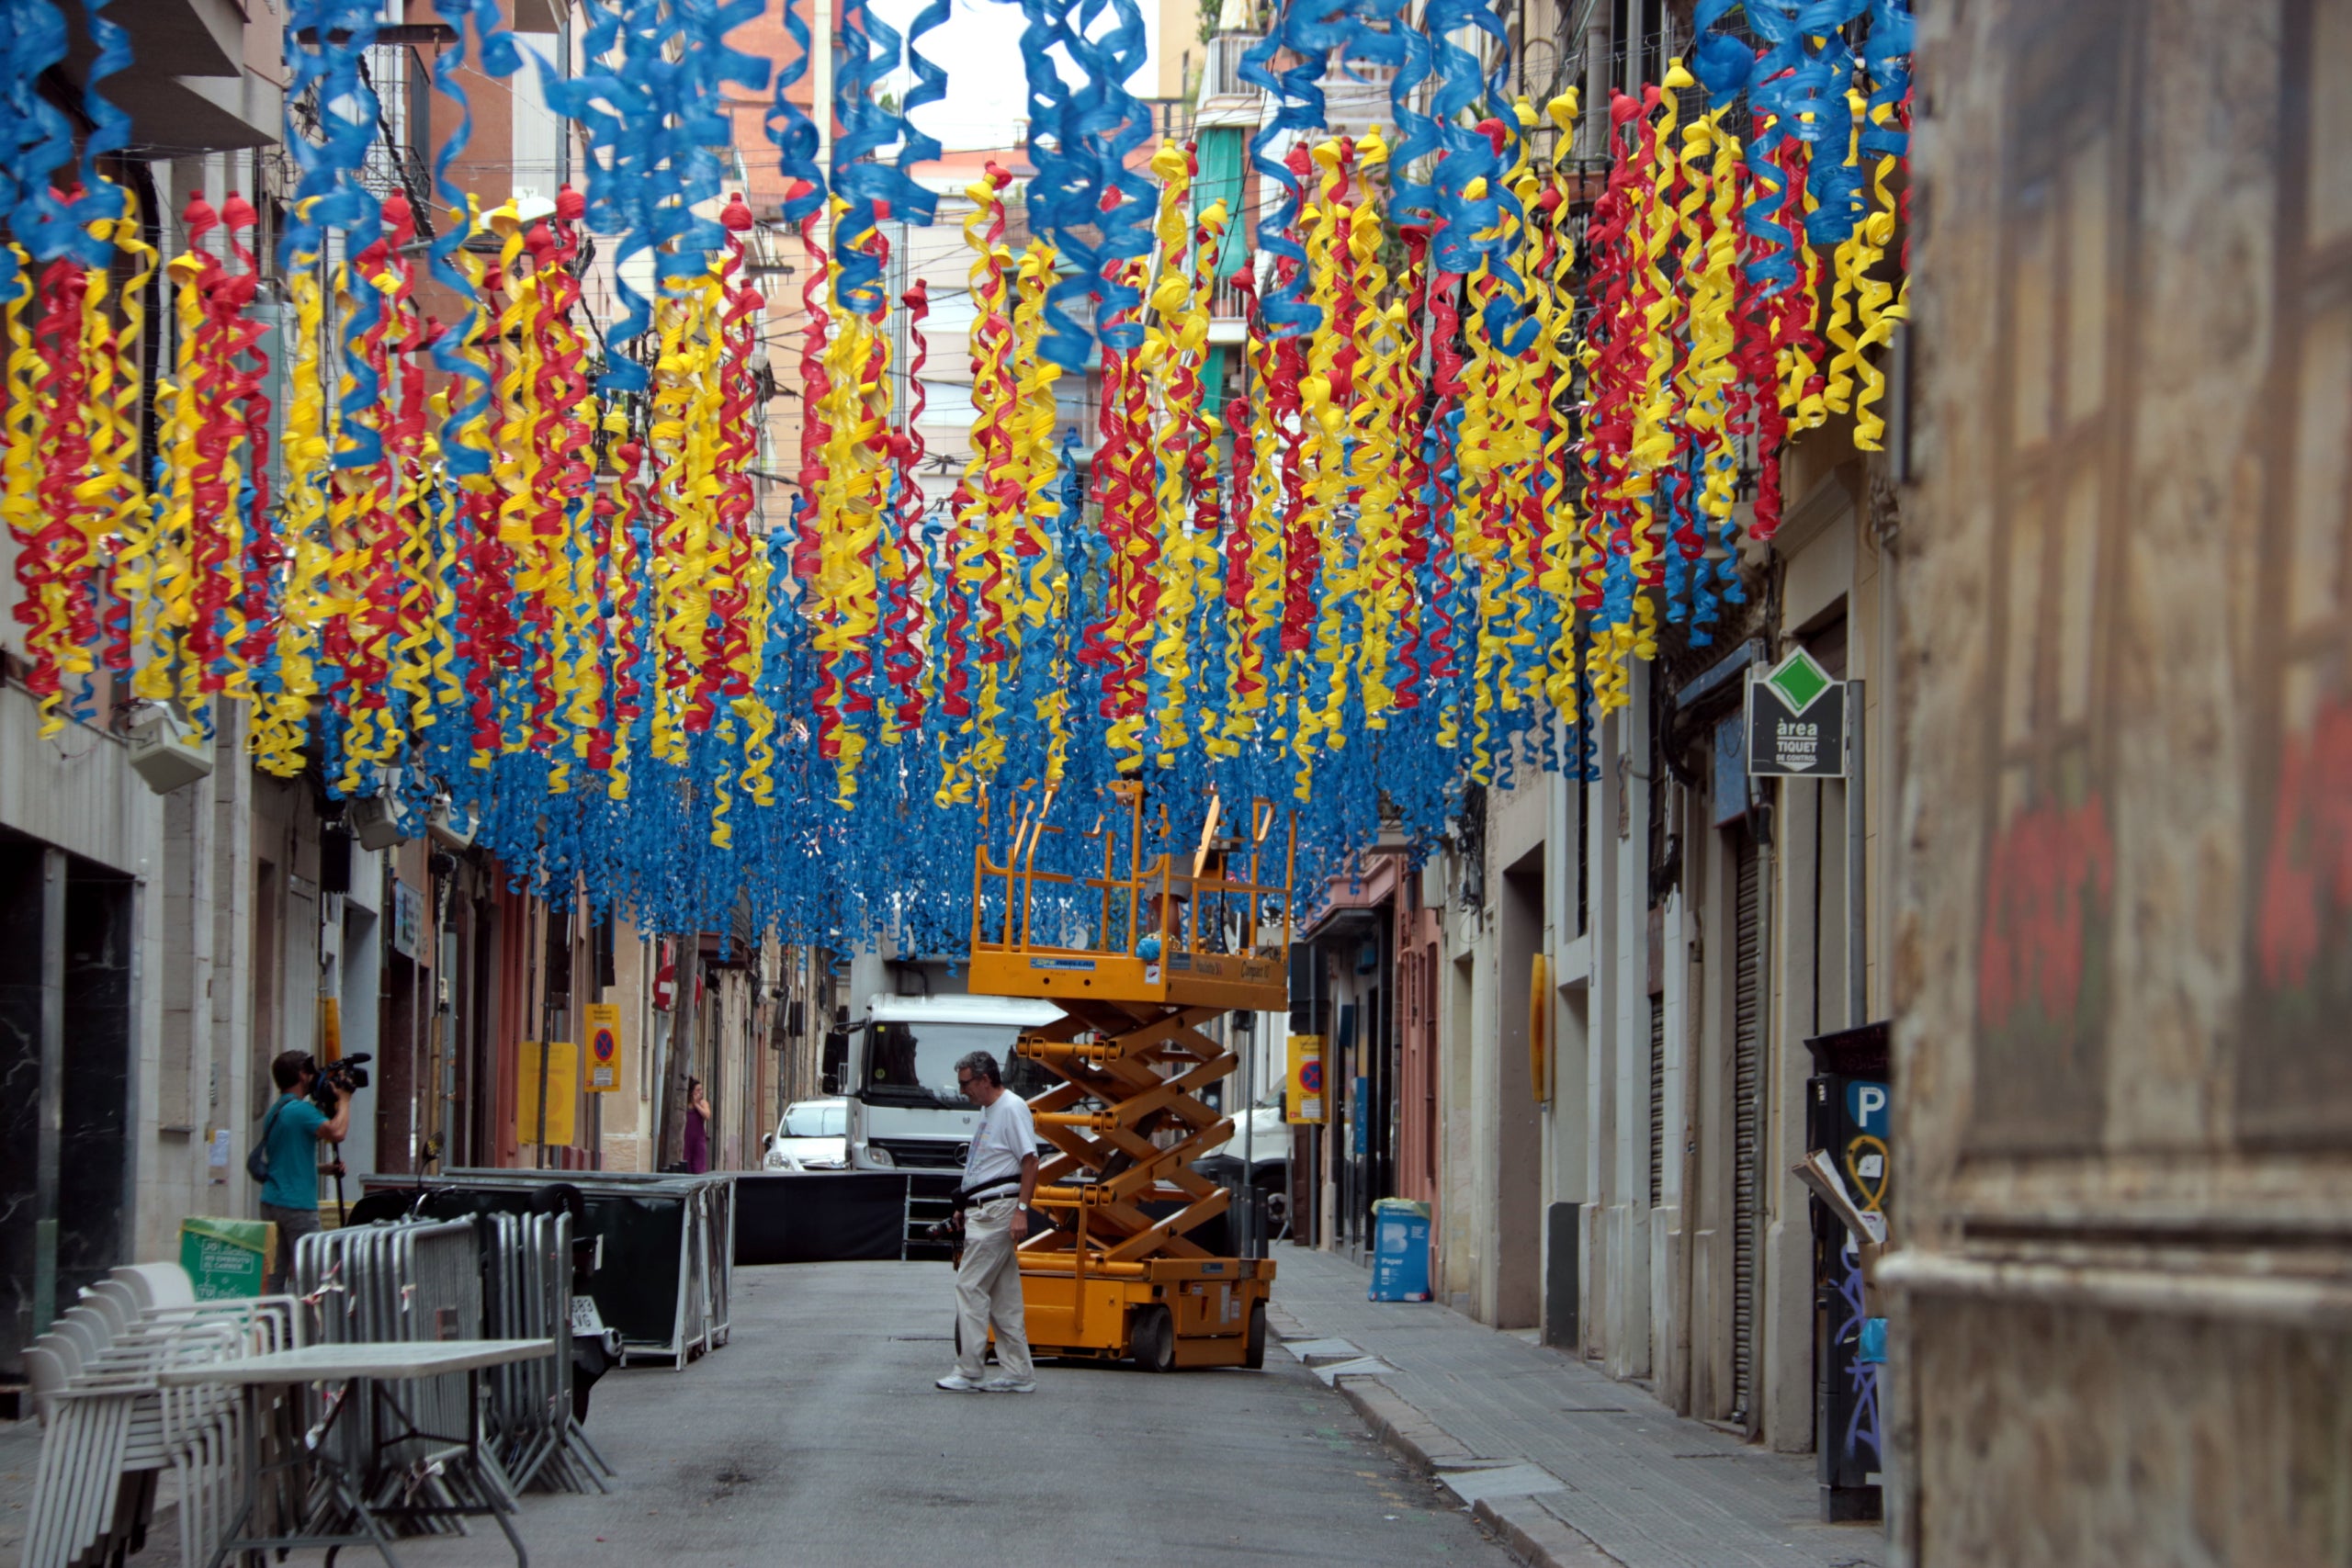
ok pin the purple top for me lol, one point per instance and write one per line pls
(697, 1142)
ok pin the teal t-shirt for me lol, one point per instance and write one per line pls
(293, 1181)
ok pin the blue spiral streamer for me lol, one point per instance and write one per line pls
(1810, 102)
(1727, 570)
(1887, 57)
(1463, 219)
(794, 133)
(930, 87)
(1298, 108)
(1320, 32)
(325, 42)
(17, 133)
(1673, 501)
(1510, 313)
(1411, 202)
(1721, 62)
(652, 124)
(469, 386)
(101, 198)
(1080, 138)
(1705, 604)
(870, 49)
(1773, 266)
(42, 139)
(1834, 184)
(864, 128)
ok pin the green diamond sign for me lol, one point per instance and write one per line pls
(1800, 681)
(1796, 721)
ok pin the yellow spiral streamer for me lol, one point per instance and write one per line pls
(978, 541)
(1562, 536)
(1878, 306)
(283, 714)
(1175, 343)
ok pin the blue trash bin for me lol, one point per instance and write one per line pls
(1400, 1255)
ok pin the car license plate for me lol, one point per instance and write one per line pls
(585, 1319)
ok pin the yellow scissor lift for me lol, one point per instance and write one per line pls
(1173, 947)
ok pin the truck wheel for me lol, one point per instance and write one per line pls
(1254, 1355)
(1151, 1340)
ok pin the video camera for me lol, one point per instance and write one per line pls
(348, 1074)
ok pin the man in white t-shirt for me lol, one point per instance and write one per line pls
(1000, 1178)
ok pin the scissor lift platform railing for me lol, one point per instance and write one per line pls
(1117, 1275)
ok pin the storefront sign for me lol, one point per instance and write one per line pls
(1796, 721)
(1730, 792)
(407, 920)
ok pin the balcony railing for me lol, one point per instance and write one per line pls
(1221, 74)
(1230, 301)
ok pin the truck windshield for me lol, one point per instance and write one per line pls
(916, 1063)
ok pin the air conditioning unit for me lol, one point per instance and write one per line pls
(164, 753)
(370, 817)
(450, 826)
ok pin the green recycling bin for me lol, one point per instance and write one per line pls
(226, 1258)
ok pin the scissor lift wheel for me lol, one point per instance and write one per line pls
(1151, 1338)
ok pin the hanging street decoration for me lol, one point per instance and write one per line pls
(1498, 421)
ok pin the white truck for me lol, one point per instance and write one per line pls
(898, 1074)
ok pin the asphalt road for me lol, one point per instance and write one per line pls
(815, 1437)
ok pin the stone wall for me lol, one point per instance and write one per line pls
(2124, 946)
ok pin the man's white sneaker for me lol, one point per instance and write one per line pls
(1010, 1386)
(957, 1383)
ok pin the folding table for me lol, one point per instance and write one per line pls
(457, 1478)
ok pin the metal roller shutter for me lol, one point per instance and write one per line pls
(1748, 1130)
(1658, 1100)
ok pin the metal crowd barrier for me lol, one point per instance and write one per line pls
(110, 1431)
(669, 1243)
(527, 1271)
(492, 1276)
(375, 1285)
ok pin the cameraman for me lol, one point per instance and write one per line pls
(291, 1132)
(1000, 1178)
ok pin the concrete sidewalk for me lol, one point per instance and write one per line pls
(1574, 1468)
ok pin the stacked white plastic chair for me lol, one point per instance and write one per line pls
(110, 1432)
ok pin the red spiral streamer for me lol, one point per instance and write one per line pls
(722, 674)
(58, 606)
(902, 653)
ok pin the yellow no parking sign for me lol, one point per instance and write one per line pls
(604, 1023)
(1305, 1101)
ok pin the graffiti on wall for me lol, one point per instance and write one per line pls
(2068, 283)
(2294, 1079)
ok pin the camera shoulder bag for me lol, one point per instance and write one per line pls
(257, 1157)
